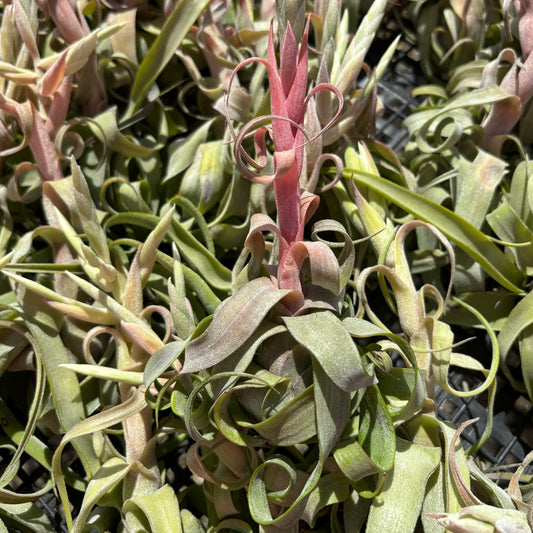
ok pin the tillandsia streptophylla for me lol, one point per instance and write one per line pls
(289, 100)
(36, 88)
(518, 81)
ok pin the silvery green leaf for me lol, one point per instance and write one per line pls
(233, 324)
(324, 335)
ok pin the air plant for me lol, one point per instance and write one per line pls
(180, 283)
(469, 147)
(278, 357)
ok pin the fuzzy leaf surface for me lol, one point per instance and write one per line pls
(233, 324)
(397, 508)
(324, 335)
(467, 237)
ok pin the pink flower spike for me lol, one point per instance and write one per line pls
(296, 95)
(288, 61)
(282, 131)
(288, 101)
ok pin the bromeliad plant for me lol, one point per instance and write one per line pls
(84, 285)
(469, 145)
(289, 103)
(198, 387)
(257, 344)
(295, 425)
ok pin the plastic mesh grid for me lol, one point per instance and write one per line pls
(31, 477)
(511, 437)
(394, 91)
(49, 505)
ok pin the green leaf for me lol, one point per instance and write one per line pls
(102, 274)
(520, 318)
(477, 182)
(106, 130)
(233, 324)
(404, 392)
(520, 193)
(376, 430)
(492, 493)
(346, 258)
(44, 325)
(258, 497)
(331, 489)
(426, 121)
(108, 373)
(85, 428)
(442, 338)
(294, 423)
(370, 448)
(344, 73)
(355, 512)
(86, 210)
(240, 401)
(526, 349)
(475, 243)
(495, 307)
(324, 335)
(181, 152)
(109, 476)
(190, 523)
(77, 55)
(18, 434)
(164, 47)
(182, 315)
(189, 209)
(360, 328)
(231, 524)
(123, 314)
(332, 406)
(19, 75)
(205, 181)
(25, 517)
(161, 360)
(225, 373)
(397, 508)
(435, 500)
(64, 305)
(196, 255)
(149, 248)
(160, 508)
(484, 519)
(509, 227)
(193, 281)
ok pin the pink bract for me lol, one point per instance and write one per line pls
(289, 98)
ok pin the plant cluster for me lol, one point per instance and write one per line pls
(224, 306)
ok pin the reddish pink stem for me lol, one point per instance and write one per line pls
(287, 191)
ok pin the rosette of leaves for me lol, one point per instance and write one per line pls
(82, 275)
(469, 154)
(293, 422)
(101, 315)
(419, 313)
(86, 279)
(453, 33)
